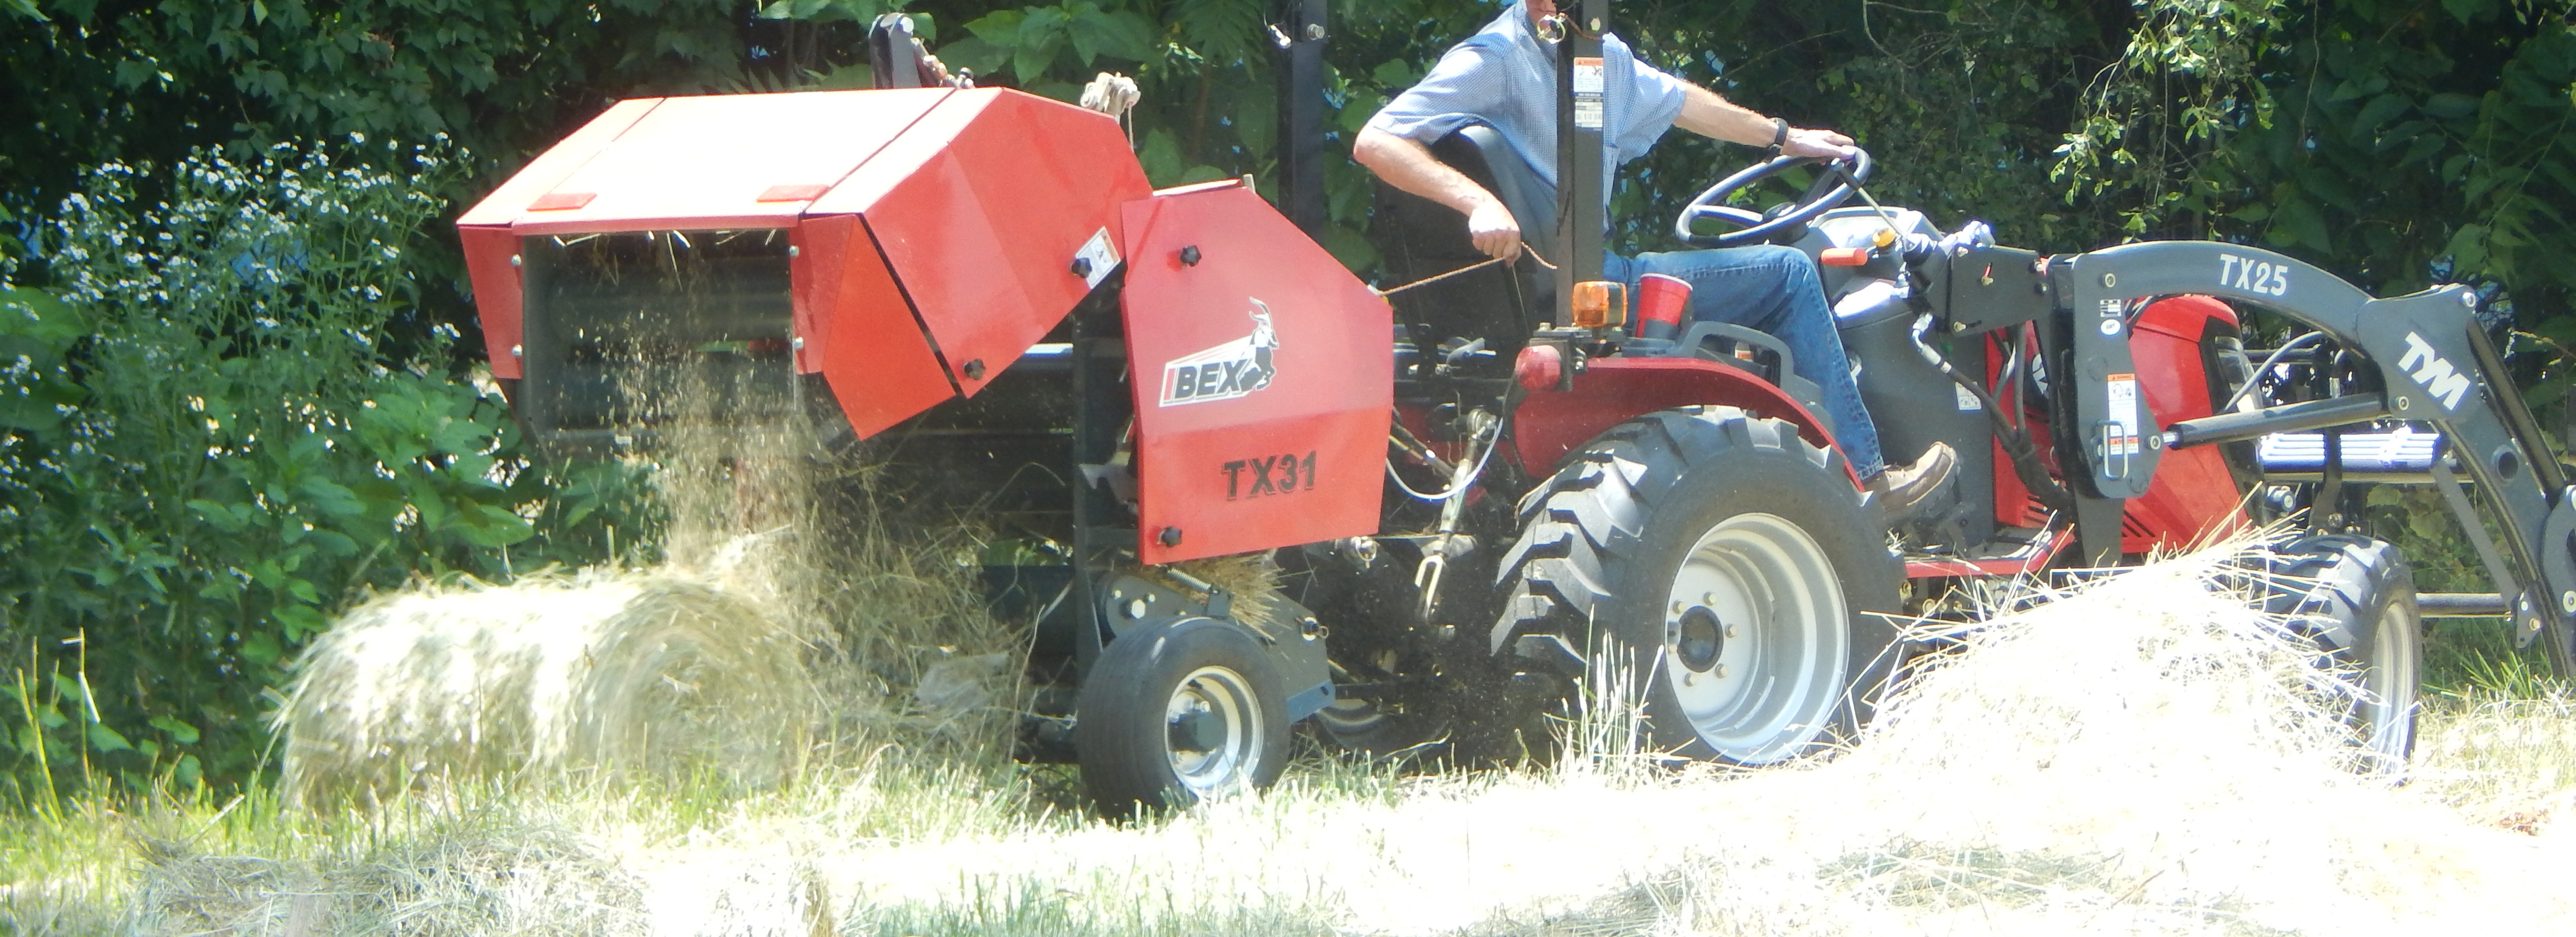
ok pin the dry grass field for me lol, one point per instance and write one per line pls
(2139, 756)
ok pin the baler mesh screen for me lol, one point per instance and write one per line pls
(616, 324)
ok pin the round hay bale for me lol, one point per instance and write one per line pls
(616, 673)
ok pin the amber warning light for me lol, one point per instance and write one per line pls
(1600, 304)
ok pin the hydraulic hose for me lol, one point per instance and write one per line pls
(2016, 441)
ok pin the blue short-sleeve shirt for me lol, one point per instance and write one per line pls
(1504, 76)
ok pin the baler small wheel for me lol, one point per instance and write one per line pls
(2355, 597)
(1178, 712)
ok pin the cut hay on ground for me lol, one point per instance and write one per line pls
(609, 673)
(2142, 756)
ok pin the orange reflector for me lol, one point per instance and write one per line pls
(1844, 256)
(1600, 304)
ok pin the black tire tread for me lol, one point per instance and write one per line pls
(2340, 576)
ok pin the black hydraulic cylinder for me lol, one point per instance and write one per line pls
(2287, 418)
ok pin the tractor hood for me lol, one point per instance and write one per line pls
(906, 245)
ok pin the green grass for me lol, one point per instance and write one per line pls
(2466, 657)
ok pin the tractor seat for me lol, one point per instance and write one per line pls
(1510, 178)
(1420, 238)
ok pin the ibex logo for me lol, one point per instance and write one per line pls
(1226, 371)
(2439, 378)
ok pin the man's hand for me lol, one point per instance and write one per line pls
(1494, 230)
(1825, 143)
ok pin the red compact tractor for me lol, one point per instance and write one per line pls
(1474, 493)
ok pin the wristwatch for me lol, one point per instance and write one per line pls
(1779, 139)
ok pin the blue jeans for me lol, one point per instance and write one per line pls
(1773, 289)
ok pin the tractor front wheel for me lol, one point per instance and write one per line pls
(1733, 565)
(1175, 712)
(2355, 597)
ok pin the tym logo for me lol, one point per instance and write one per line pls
(2438, 376)
(1226, 371)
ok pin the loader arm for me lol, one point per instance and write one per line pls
(2438, 368)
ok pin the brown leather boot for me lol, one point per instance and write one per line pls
(1901, 490)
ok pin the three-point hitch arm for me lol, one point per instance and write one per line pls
(2439, 369)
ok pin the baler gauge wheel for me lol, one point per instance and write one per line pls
(1176, 712)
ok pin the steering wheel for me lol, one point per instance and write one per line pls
(1830, 190)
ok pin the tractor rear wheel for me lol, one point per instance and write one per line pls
(2355, 597)
(1179, 711)
(1732, 564)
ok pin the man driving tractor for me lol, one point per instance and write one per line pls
(1504, 76)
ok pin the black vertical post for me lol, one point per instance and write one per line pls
(1579, 101)
(1301, 114)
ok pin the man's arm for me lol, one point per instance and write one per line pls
(1708, 114)
(1408, 165)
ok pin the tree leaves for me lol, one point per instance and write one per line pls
(1031, 40)
(2467, 11)
(238, 435)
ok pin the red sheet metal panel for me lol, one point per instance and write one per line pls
(875, 359)
(2193, 497)
(1264, 375)
(981, 209)
(707, 162)
(498, 292)
(539, 177)
(1609, 391)
(818, 251)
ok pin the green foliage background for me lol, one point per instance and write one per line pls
(236, 363)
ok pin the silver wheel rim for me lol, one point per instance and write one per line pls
(1766, 686)
(1222, 700)
(2388, 691)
